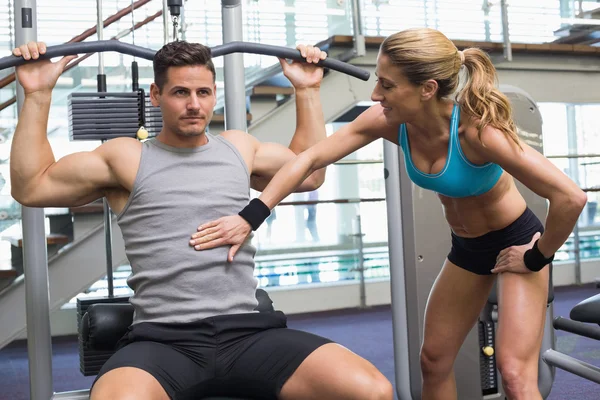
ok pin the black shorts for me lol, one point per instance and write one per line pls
(478, 255)
(250, 355)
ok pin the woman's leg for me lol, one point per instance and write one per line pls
(522, 301)
(454, 304)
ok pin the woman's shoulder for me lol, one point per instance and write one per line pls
(373, 122)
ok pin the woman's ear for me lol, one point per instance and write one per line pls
(429, 89)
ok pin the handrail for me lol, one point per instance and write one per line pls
(117, 37)
(575, 156)
(86, 34)
(217, 51)
(8, 103)
(76, 62)
(335, 201)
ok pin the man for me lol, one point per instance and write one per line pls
(194, 331)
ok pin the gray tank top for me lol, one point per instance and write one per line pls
(175, 191)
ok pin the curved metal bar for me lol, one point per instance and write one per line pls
(286, 52)
(217, 51)
(69, 49)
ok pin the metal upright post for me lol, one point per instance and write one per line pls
(235, 82)
(35, 256)
(574, 174)
(505, 30)
(182, 26)
(166, 22)
(361, 260)
(357, 26)
(107, 213)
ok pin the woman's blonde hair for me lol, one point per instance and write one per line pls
(424, 53)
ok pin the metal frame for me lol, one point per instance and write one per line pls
(568, 363)
(505, 30)
(572, 365)
(35, 258)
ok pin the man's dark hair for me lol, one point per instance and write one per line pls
(179, 54)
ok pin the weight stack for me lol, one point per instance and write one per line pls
(105, 116)
(90, 360)
(487, 364)
(153, 118)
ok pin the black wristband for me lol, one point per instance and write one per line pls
(255, 213)
(535, 260)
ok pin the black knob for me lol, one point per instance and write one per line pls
(175, 7)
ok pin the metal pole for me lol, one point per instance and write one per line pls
(100, 31)
(574, 174)
(401, 249)
(579, 328)
(235, 82)
(35, 256)
(182, 27)
(486, 22)
(505, 31)
(572, 365)
(577, 253)
(107, 214)
(359, 37)
(166, 22)
(361, 261)
(108, 246)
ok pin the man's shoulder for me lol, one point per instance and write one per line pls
(120, 142)
(240, 139)
(235, 134)
(121, 146)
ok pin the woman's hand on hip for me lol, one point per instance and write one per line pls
(511, 258)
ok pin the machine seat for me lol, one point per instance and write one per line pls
(587, 311)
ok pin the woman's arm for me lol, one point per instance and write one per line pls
(345, 141)
(366, 128)
(542, 177)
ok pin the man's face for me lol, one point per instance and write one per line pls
(187, 100)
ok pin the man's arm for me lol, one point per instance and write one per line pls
(37, 180)
(310, 123)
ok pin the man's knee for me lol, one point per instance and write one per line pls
(382, 389)
(371, 384)
(127, 383)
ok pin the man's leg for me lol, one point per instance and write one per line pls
(334, 372)
(145, 370)
(128, 383)
(288, 364)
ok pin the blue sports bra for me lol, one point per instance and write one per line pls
(459, 177)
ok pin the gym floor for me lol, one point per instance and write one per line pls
(368, 333)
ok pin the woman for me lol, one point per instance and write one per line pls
(467, 151)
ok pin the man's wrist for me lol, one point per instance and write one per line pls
(307, 90)
(39, 97)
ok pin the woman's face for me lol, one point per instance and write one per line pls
(400, 98)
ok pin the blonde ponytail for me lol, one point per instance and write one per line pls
(481, 99)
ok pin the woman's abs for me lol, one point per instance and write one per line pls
(477, 215)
